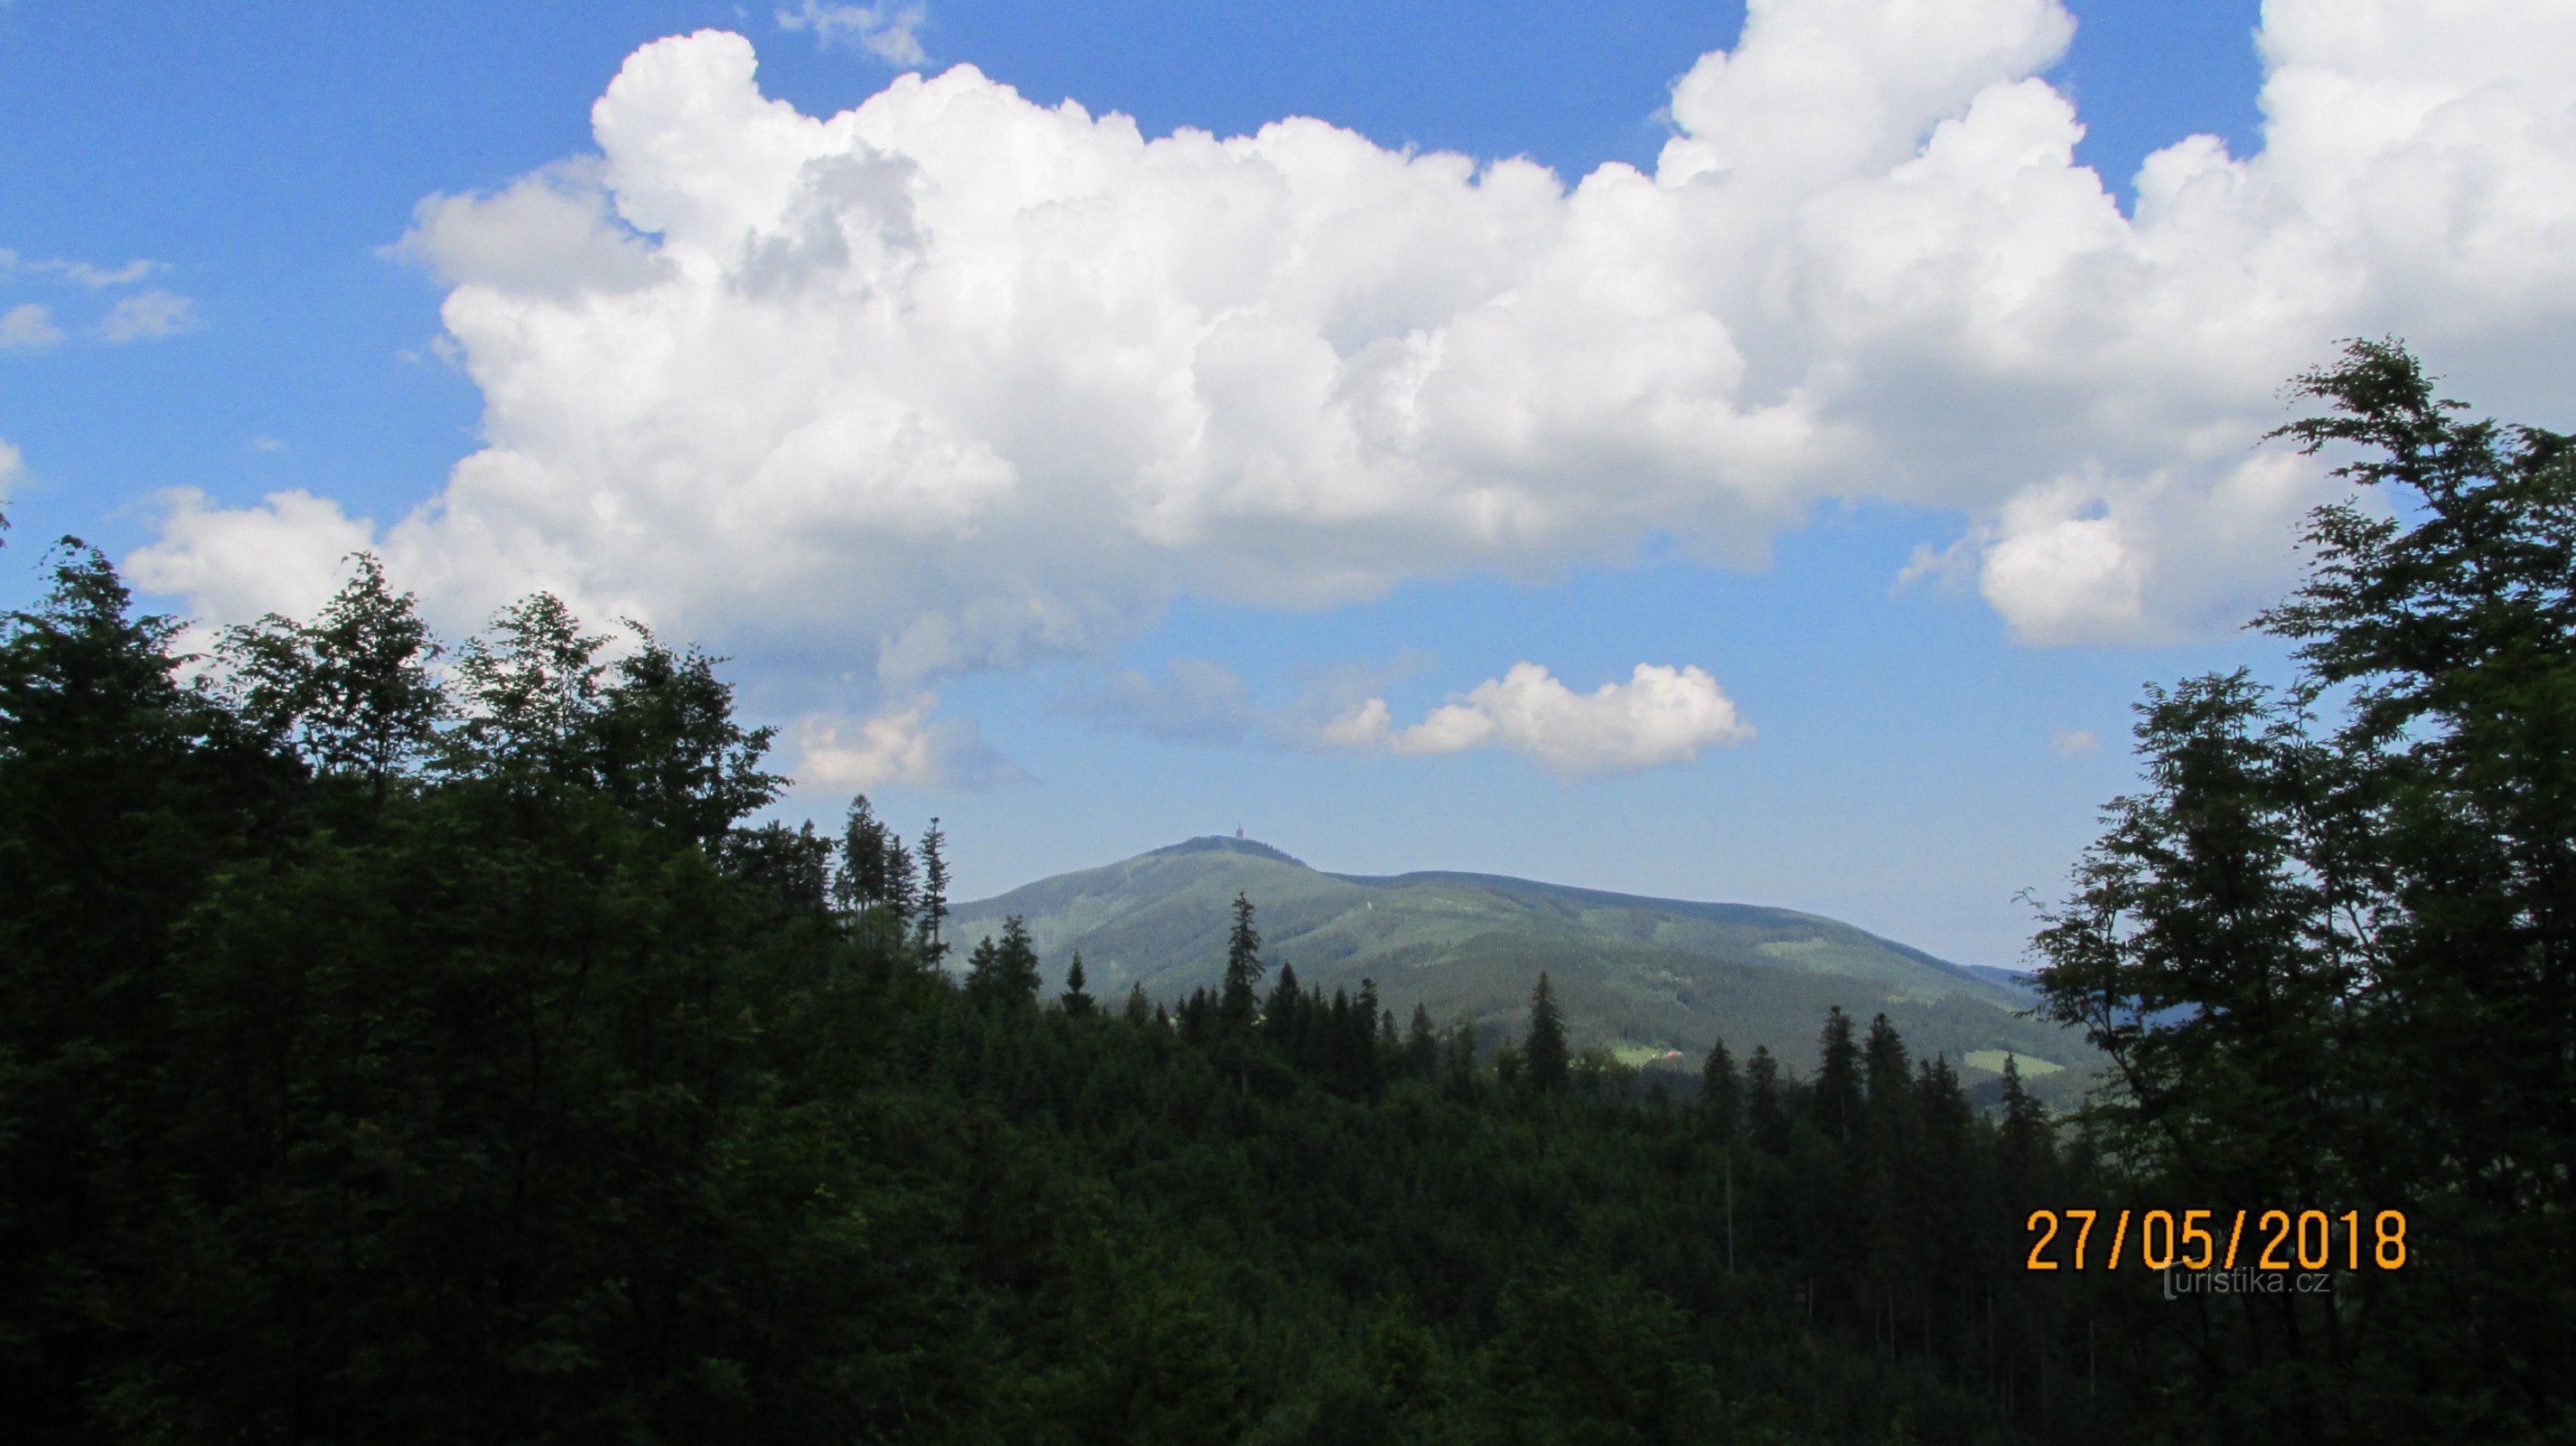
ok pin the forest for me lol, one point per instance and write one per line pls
(404, 1043)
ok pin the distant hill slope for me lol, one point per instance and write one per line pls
(1642, 975)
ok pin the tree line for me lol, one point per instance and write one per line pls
(404, 1044)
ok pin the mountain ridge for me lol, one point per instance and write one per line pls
(1642, 975)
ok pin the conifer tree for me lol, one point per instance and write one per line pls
(1887, 1076)
(1766, 1114)
(1017, 963)
(1281, 1018)
(862, 882)
(1243, 970)
(902, 878)
(1838, 1089)
(2025, 1125)
(1720, 1092)
(1333, 1051)
(1421, 1044)
(1140, 1010)
(1886, 1072)
(1462, 1054)
(1550, 1064)
(933, 906)
(984, 971)
(1942, 1108)
(1077, 1004)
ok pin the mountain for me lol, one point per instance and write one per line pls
(1647, 977)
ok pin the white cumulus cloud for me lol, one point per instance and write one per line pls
(236, 563)
(2074, 742)
(13, 464)
(28, 327)
(953, 380)
(1660, 715)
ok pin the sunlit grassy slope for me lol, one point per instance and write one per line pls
(1640, 975)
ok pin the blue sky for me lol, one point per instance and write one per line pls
(1840, 398)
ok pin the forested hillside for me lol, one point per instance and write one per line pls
(1643, 977)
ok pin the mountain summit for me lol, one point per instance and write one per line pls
(1644, 976)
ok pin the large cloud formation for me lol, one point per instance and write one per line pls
(952, 380)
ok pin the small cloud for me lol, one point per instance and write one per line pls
(899, 744)
(884, 31)
(96, 278)
(28, 328)
(1195, 701)
(2073, 743)
(13, 464)
(266, 444)
(1660, 715)
(149, 316)
(79, 273)
(1950, 568)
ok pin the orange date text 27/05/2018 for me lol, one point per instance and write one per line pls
(2265, 1240)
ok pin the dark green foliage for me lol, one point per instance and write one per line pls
(526, 1092)
(1545, 1053)
(794, 865)
(1077, 1003)
(1282, 1017)
(875, 869)
(931, 902)
(426, 1123)
(1421, 1045)
(1838, 1082)
(529, 688)
(1765, 1111)
(350, 693)
(1004, 974)
(1721, 1093)
(668, 750)
(2328, 944)
(1243, 970)
(1884, 1066)
(2025, 1126)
